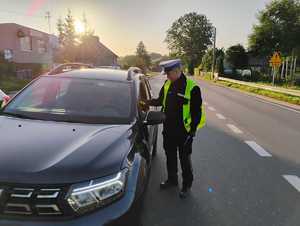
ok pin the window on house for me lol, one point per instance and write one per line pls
(25, 43)
(42, 47)
(8, 54)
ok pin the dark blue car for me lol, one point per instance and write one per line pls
(76, 149)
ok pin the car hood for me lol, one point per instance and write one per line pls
(43, 152)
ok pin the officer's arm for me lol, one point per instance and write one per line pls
(196, 103)
(158, 101)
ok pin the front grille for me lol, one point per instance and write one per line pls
(34, 202)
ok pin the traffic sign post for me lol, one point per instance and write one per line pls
(275, 62)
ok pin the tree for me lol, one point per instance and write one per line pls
(69, 29)
(206, 63)
(207, 59)
(143, 60)
(220, 64)
(236, 56)
(155, 56)
(189, 38)
(128, 61)
(67, 38)
(278, 28)
(61, 31)
(88, 31)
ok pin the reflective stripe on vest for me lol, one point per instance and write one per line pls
(187, 118)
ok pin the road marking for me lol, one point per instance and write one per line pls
(293, 180)
(220, 116)
(258, 149)
(211, 108)
(234, 128)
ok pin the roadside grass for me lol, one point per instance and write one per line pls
(152, 73)
(10, 83)
(283, 85)
(275, 95)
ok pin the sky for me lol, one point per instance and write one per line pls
(121, 24)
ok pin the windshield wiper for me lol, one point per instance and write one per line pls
(17, 115)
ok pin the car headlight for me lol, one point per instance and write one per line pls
(97, 193)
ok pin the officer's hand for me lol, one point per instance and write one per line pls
(143, 105)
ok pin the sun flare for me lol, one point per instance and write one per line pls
(79, 27)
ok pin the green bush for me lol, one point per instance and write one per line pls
(10, 83)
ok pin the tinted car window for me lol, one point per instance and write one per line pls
(75, 99)
(144, 95)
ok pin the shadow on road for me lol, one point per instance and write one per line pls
(233, 186)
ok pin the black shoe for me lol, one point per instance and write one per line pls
(184, 192)
(168, 184)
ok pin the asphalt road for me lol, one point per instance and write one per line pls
(246, 164)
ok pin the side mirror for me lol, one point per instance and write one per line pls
(154, 118)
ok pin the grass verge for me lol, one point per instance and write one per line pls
(275, 95)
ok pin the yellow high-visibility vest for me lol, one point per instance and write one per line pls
(187, 118)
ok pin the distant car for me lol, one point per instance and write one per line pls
(83, 152)
(68, 67)
(228, 71)
(246, 73)
(3, 98)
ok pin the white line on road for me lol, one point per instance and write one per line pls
(293, 180)
(258, 149)
(211, 109)
(278, 105)
(234, 128)
(220, 116)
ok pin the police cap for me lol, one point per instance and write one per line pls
(170, 65)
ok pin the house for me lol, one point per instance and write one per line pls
(27, 47)
(92, 51)
(257, 63)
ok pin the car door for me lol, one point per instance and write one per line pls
(148, 130)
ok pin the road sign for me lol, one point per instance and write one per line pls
(276, 60)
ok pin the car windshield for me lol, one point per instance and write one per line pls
(74, 100)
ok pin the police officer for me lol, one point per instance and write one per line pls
(180, 98)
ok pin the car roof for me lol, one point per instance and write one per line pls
(98, 73)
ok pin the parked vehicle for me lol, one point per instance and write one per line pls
(3, 98)
(68, 67)
(84, 150)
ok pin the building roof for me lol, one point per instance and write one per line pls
(102, 46)
(19, 25)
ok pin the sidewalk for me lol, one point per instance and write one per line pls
(266, 87)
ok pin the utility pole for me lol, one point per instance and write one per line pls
(48, 17)
(214, 53)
